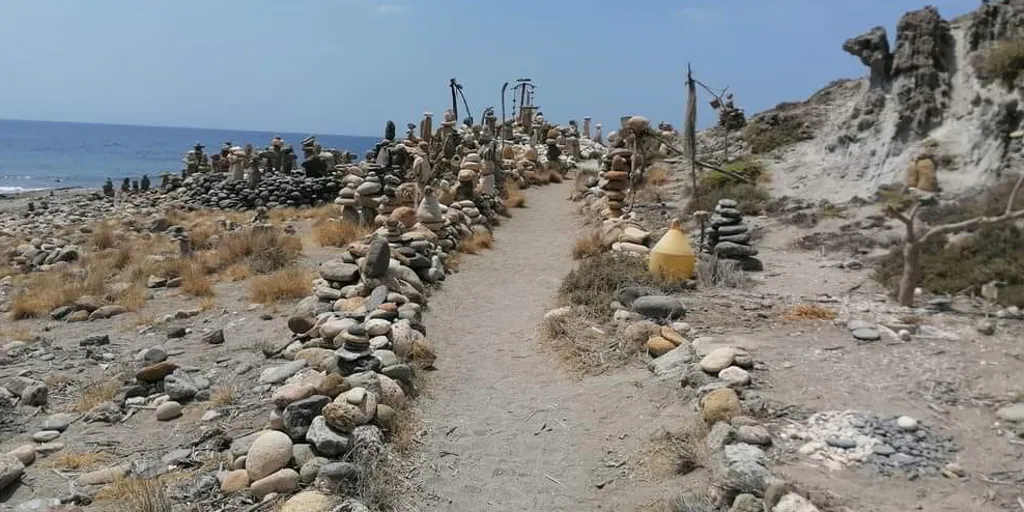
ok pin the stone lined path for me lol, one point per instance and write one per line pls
(506, 429)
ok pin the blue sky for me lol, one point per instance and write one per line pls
(347, 66)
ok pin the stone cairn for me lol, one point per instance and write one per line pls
(615, 183)
(728, 237)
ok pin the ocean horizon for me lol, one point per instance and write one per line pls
(40, 155)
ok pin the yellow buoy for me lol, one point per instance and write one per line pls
(672, 257)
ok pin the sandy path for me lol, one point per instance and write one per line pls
(506, 430)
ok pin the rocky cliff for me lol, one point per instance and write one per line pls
(947, 89)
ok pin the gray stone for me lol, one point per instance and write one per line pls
(309, 470)
(59, 422)
(11, 470)
(747, 503)
(180, 386)
(721, 434)
(301, 454)
(326, 440)
(744, 464)
(731, 249)
(986, 327)
(167, 411)
(793, 502)
(338, 472)
(40, 505)
(755, 435)
(718, 360)
(659, 307)
(340, 272)
(844, 443)
(299, 415)
(378, 258)
(214, 337)
(32, 392)
(883, 450)
(279, 374)
(673, 364)
(45, 436)
(854, 325)
(377, 297)
(152, 355)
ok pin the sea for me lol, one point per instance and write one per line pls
(39, 155)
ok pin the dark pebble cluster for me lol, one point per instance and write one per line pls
(213, 191)
(914, 453)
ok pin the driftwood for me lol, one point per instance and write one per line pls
(704, 165)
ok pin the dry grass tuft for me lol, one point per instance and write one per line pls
(581, 349)
(1004, 60)
(694, 501)
(382, 483)
(133, 298)
(17, 334)
(714, 272)
(477, 242)
(453, 261)
(77, 460)
(136, 495)
(207, 303)
(237, 272)
(809, 312)
(588, 245)
(405, 430)
(43, 292)
(338, 233)
(103, 237)
(676, 453)
(595, 280)
(658, 176)
(96, 394)
(516, 197)
(265, 250)
(224, 395)
(195, 282)
(287, 284)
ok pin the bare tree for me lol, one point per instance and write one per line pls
(914, 241)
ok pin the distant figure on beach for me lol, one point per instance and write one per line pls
(126, 185)
(145, 182)
(108, 187)
(135, 185)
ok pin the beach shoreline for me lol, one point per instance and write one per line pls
(13, 201)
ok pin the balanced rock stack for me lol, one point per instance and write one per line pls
(614, 183)
(469, 170)
(729, 237)
(388, 202)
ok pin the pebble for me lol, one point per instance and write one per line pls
(841, 442)
(986, 327)
(867, 334)
(904, 335)
(281, 373)
(735, 376)
(168, 411)
(233, 481)
(754, 434)
(284, 481)
(26, 453)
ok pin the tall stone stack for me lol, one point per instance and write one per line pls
(614, 183)
(729, 238)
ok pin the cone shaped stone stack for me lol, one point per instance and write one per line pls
(729, 237)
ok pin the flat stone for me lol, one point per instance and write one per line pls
(754, 434)
(326, 440)
(233, 481)
(168, 411)
(59, 422)
(844, 443)
(718, 360)
(45, 436)
(104, 476)
(734, 376)
(281, 373)
(280, 482)
(673, 364)
(1012, 413)
(26, 453)
(659, 307)
(11, 469)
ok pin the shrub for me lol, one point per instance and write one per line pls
(594, 282)
(338, 233)
(990, 254)
(763, 137)
(266, 250)
(752, 199)
(477, 242)
(750, 168)
(1003, 61)
(516, 197)
(290, 283)
(587, 246)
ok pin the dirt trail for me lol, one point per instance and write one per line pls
(505, 429)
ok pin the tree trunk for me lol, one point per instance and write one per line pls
(911, 271)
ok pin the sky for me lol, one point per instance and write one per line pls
(348, 66)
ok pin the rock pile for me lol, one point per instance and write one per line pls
(728, 237)
(40, 255)
(213, 190)
(901, 444)
(615, 183)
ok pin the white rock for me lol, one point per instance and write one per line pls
(718, 360)
(794, 503)
(270, 453)
(906, 423)
(168, 411)
(735, 376)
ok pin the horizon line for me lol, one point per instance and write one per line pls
(131, 125)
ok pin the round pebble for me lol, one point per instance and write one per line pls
(168, 411)
(906, 423)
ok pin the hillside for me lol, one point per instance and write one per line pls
(947, 89)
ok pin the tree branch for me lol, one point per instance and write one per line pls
(898, 215)
(972, 224)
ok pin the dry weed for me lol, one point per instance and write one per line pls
(588, 245)
(17, 334)
(477, 242)
(713, 272)
(265, 250)
(43, 292)
(77, 460)
(133, 297)
(143, 321)
(194, 281)
(694, 501)
(224, 395)
(96, 394)
(404, 430)
(207, 303)
(338, 233)
(452, 262)
(136, 495)
(658, 176)
(809, 312)
(237, 272)
(382, 483)
(57, 381)
(554, 176)
(290, 283)
(516, 197)
(581, 349)
(103, 237)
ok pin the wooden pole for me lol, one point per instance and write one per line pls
(691, 127)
